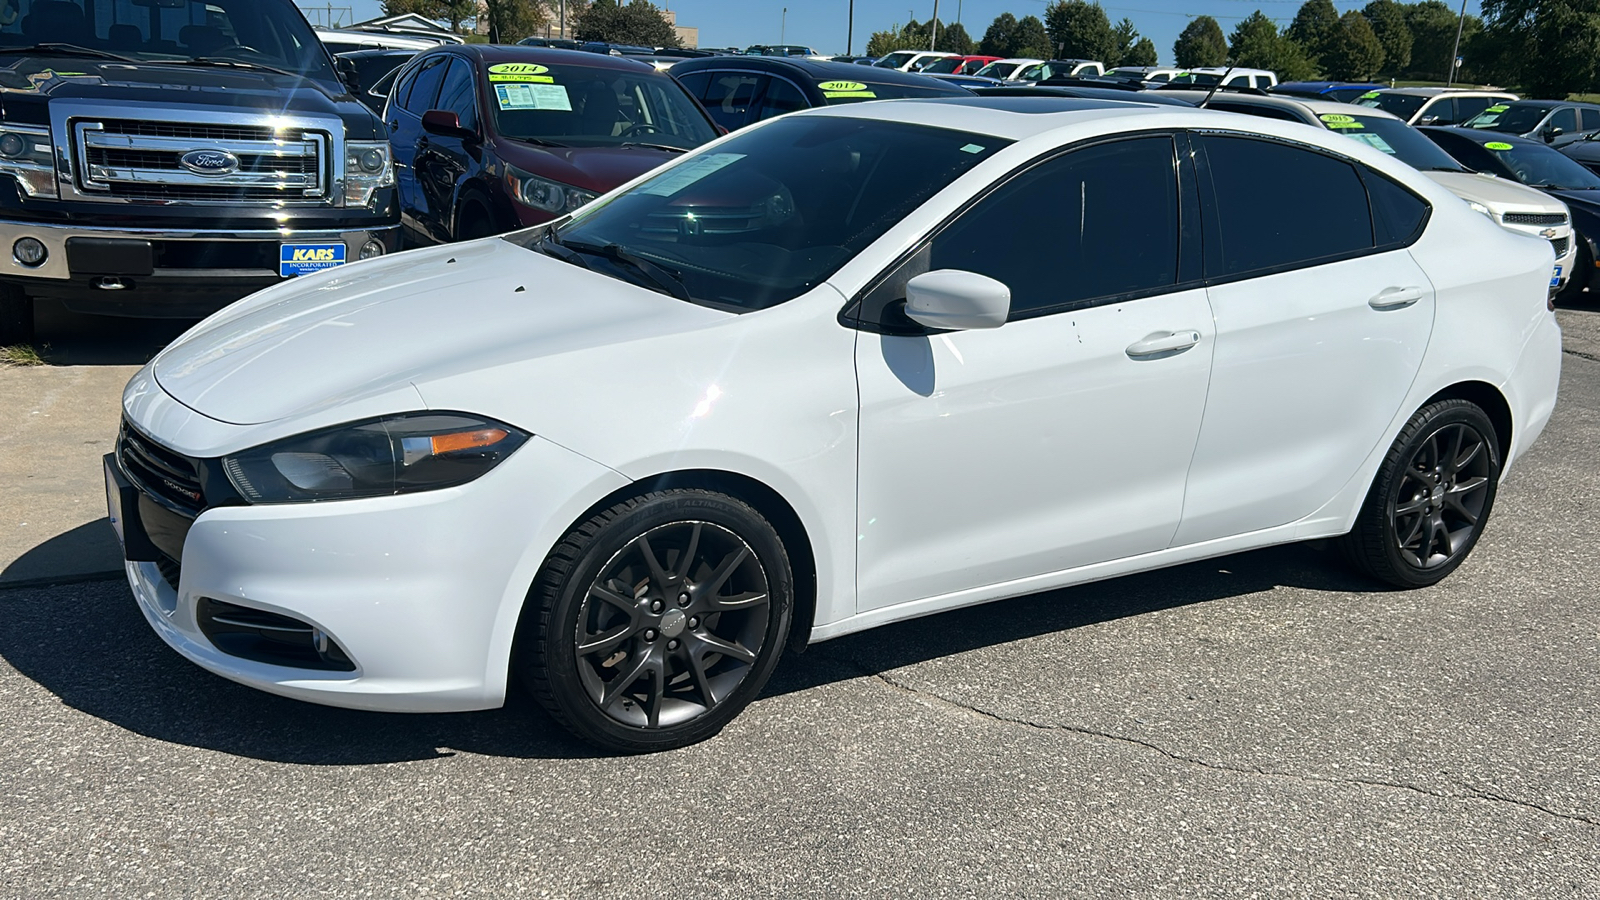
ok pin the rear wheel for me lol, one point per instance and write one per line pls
(16, 316)
(1431, 499)
(656, 621)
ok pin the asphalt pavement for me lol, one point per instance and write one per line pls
(1262, 725)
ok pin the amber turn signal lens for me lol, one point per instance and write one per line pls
(467, 440)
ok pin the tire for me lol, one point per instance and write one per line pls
(656, 621)
(1431, 498)
(474, 222)
(16, 316)
(1582, 273)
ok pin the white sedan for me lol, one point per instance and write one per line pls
(812, 379)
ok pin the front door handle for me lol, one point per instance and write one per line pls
(1395, 298)
(1164, 343)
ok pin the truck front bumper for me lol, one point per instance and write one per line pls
(183, 274)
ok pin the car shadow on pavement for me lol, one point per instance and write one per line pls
(66, 338)
(89, 550)
(89, 645)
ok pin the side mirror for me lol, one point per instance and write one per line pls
(1552, 133)
(956, 300)
(348, 74)
(1428, 120)
(445, 123)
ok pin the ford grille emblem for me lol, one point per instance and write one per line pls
(210, 162)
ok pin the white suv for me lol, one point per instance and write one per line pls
(1433, 105)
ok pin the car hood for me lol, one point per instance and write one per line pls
(597, 169)
(370, 328)
(1586, 200)
(1498, 194)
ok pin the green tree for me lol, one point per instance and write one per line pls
(1001, 36)
(1388, 21)
(1254, 42)
(1433, 37)
(636, 22)
(954, 39)
(512, 20)
(1031, 39)
(1080, 30)
(1354, 54)
(1201, 43)
(1143, 53)
(1123, 36)
(1315, 27)
(454, 14)
(911, 37)
(1556, 42)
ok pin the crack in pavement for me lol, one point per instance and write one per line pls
(1475, 793)
(1582, 355)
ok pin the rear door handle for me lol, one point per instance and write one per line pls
(1395, 298)
(1168, 342)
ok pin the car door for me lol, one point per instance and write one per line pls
(1061, 438)
(444, 161)
(405, 137)
(1322, 318)
(1564, 120)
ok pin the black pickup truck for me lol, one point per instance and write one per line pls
(163, 158)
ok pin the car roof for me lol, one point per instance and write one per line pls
(1316, 108)
(1551, 104)
(1326, 85)
(1019, 59)
(1484, 135)
(1085, 90)
(814, 69)
(1437, 91)
(502, 53)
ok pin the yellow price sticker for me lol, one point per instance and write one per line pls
(517, 69)
(841, 87)
(1497, 145)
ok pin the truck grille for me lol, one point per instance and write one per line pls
(160, 472)
(1535, 218)
(125, 159)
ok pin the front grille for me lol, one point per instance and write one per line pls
(160, 472)
(270, 638)
(125, 159)
(1560, 244)
(1535, 218)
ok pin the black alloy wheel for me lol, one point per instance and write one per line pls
(658, 620)
(1431, 499)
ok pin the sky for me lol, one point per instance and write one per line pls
(821, 24)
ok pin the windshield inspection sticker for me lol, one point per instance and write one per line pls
(1368, 95)
(303, 259)
(688, 172)
(1501, 108)
(1497, 145)
(833, 89)
(519, 72)
(533, 96)
(1373, 141)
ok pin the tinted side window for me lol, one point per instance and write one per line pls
(457, 94)
(425, 87)
(1467, 107)
(696, 84)
(397, 97)
(1591, 119)
(1397, 214)
(1096, 222)
(1276, 205)
(781, 97)
(1565, 119)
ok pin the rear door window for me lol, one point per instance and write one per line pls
(781, 97)
(457, 94)
(1277, 206)
(1565, 119)
(1591, 119)
(425, 86)
(1467, 107)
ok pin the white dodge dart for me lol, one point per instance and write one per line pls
(843, 368)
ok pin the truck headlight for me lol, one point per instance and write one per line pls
(542, 193)
(401, 454)
(27, 154)
(368, 166)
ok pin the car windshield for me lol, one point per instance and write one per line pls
(1539, 166)
(998, 69)
(244, 33)
(773, 211)
(1393, 137)
(895, 60)
(1509, 118)
(1202, 78)
(590, 106)
(1403, 105)
(860, 92)
(947, 65)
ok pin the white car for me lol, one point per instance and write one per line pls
(1008, 69)
(910, 60)
(1434, 105)
(811, 379)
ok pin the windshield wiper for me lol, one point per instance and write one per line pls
(231, 64)
(53, 48)
(667, 147)
(668, 281)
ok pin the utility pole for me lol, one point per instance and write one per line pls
(563, 18)
(850, 31)
(1455, 54)
(933, 30)
(783, 24)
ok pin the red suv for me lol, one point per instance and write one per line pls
(490, 138)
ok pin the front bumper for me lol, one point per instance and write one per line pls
(194, 272)
(421, 591)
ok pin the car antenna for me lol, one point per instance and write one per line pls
(1218, 85)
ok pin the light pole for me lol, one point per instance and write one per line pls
(783, 24)
(850, 31)
(933, 30)
(1455, 53)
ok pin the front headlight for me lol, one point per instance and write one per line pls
(542, 193)
(367, 167)
(393, 455)
(27, 155)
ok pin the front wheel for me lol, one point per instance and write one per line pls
(656, 621)
(1431, 499)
